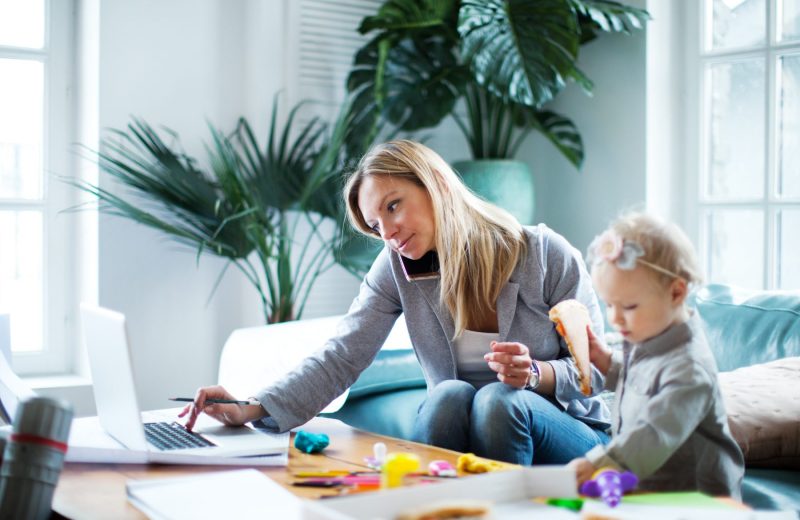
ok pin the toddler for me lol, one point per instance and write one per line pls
(669, 425)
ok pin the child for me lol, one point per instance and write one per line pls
(669, 424)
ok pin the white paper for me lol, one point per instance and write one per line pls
(662, 512)
(244, 493)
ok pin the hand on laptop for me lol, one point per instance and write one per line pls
(228, 414)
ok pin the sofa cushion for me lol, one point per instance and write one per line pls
(387, 413)
(763, 405)
(772, 489)
(390, 370)
(746, 327)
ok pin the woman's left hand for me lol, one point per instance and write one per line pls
(511, 361)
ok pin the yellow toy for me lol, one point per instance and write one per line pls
(471, 463)
(395, 467)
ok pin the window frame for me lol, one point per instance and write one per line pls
(699, 208)
(59, 284)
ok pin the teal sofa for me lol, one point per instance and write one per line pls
(743, 329)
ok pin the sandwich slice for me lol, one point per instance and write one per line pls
(571, 318)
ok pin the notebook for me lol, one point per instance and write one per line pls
(118, 409)
(244, 493)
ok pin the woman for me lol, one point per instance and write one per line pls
(475, 287)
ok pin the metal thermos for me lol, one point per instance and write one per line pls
(33, 458)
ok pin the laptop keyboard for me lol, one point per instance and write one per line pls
(173, 436)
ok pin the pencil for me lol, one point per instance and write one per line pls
(214, 401)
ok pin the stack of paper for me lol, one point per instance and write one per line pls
(229, 494)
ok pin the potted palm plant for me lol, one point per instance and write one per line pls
(246, 206)
(506, 59)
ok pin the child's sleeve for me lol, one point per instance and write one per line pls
(614, 369)
(665, 422)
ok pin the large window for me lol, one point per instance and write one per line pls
(748, 182)
(35, 257)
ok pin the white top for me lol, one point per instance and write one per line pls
(470, 348)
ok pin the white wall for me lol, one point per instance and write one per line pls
(580, 204)
(180, 64)
(183, 63)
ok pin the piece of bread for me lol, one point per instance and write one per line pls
(571, 318)
(465, 509)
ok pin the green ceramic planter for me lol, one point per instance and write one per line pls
(506, 183)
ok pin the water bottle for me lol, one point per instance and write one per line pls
(33, 458)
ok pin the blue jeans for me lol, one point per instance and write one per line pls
(502, 423)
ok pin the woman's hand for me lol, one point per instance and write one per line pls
(583, 469)
(228, 414)
(599, 353)
(511, 361)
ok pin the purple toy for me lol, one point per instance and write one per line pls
(609, 484)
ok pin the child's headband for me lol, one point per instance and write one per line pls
(623, 253)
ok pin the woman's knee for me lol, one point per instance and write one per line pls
(452, 392)
(443, 419)
(498, 402)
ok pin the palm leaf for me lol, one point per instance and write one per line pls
(521, 50)
(415, 85)
(401, 16)
(238, 206)
(560, 131)
(169, 183)
(608, 16)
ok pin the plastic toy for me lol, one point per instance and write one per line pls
(397, 466)
(378, 456)
(310, 442)
(442, 468)
(609, 485)
(471, 463)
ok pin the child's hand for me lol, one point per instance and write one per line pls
(599, 353)
(583, 469)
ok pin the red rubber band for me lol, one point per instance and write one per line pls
(35, 439)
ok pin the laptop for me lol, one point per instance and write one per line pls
(118, 409)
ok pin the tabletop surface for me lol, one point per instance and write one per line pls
(98, 490)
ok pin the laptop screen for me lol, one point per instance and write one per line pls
(112, 375)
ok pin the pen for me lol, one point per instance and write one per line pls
(214, 401)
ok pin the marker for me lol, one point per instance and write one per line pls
(323, 474)
(214, 401)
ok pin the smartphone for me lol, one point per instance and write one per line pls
(426, 268)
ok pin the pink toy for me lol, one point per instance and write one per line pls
(442, 468)
(609, 484)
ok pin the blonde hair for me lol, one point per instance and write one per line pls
(666, 247)
(478, 244)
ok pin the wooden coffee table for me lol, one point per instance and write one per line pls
(98, 490)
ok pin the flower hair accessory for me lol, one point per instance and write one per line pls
(623, 253)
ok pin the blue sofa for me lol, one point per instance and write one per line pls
(743, 329)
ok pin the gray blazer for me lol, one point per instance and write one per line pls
(552, 271)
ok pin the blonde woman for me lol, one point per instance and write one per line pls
(475, 287)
